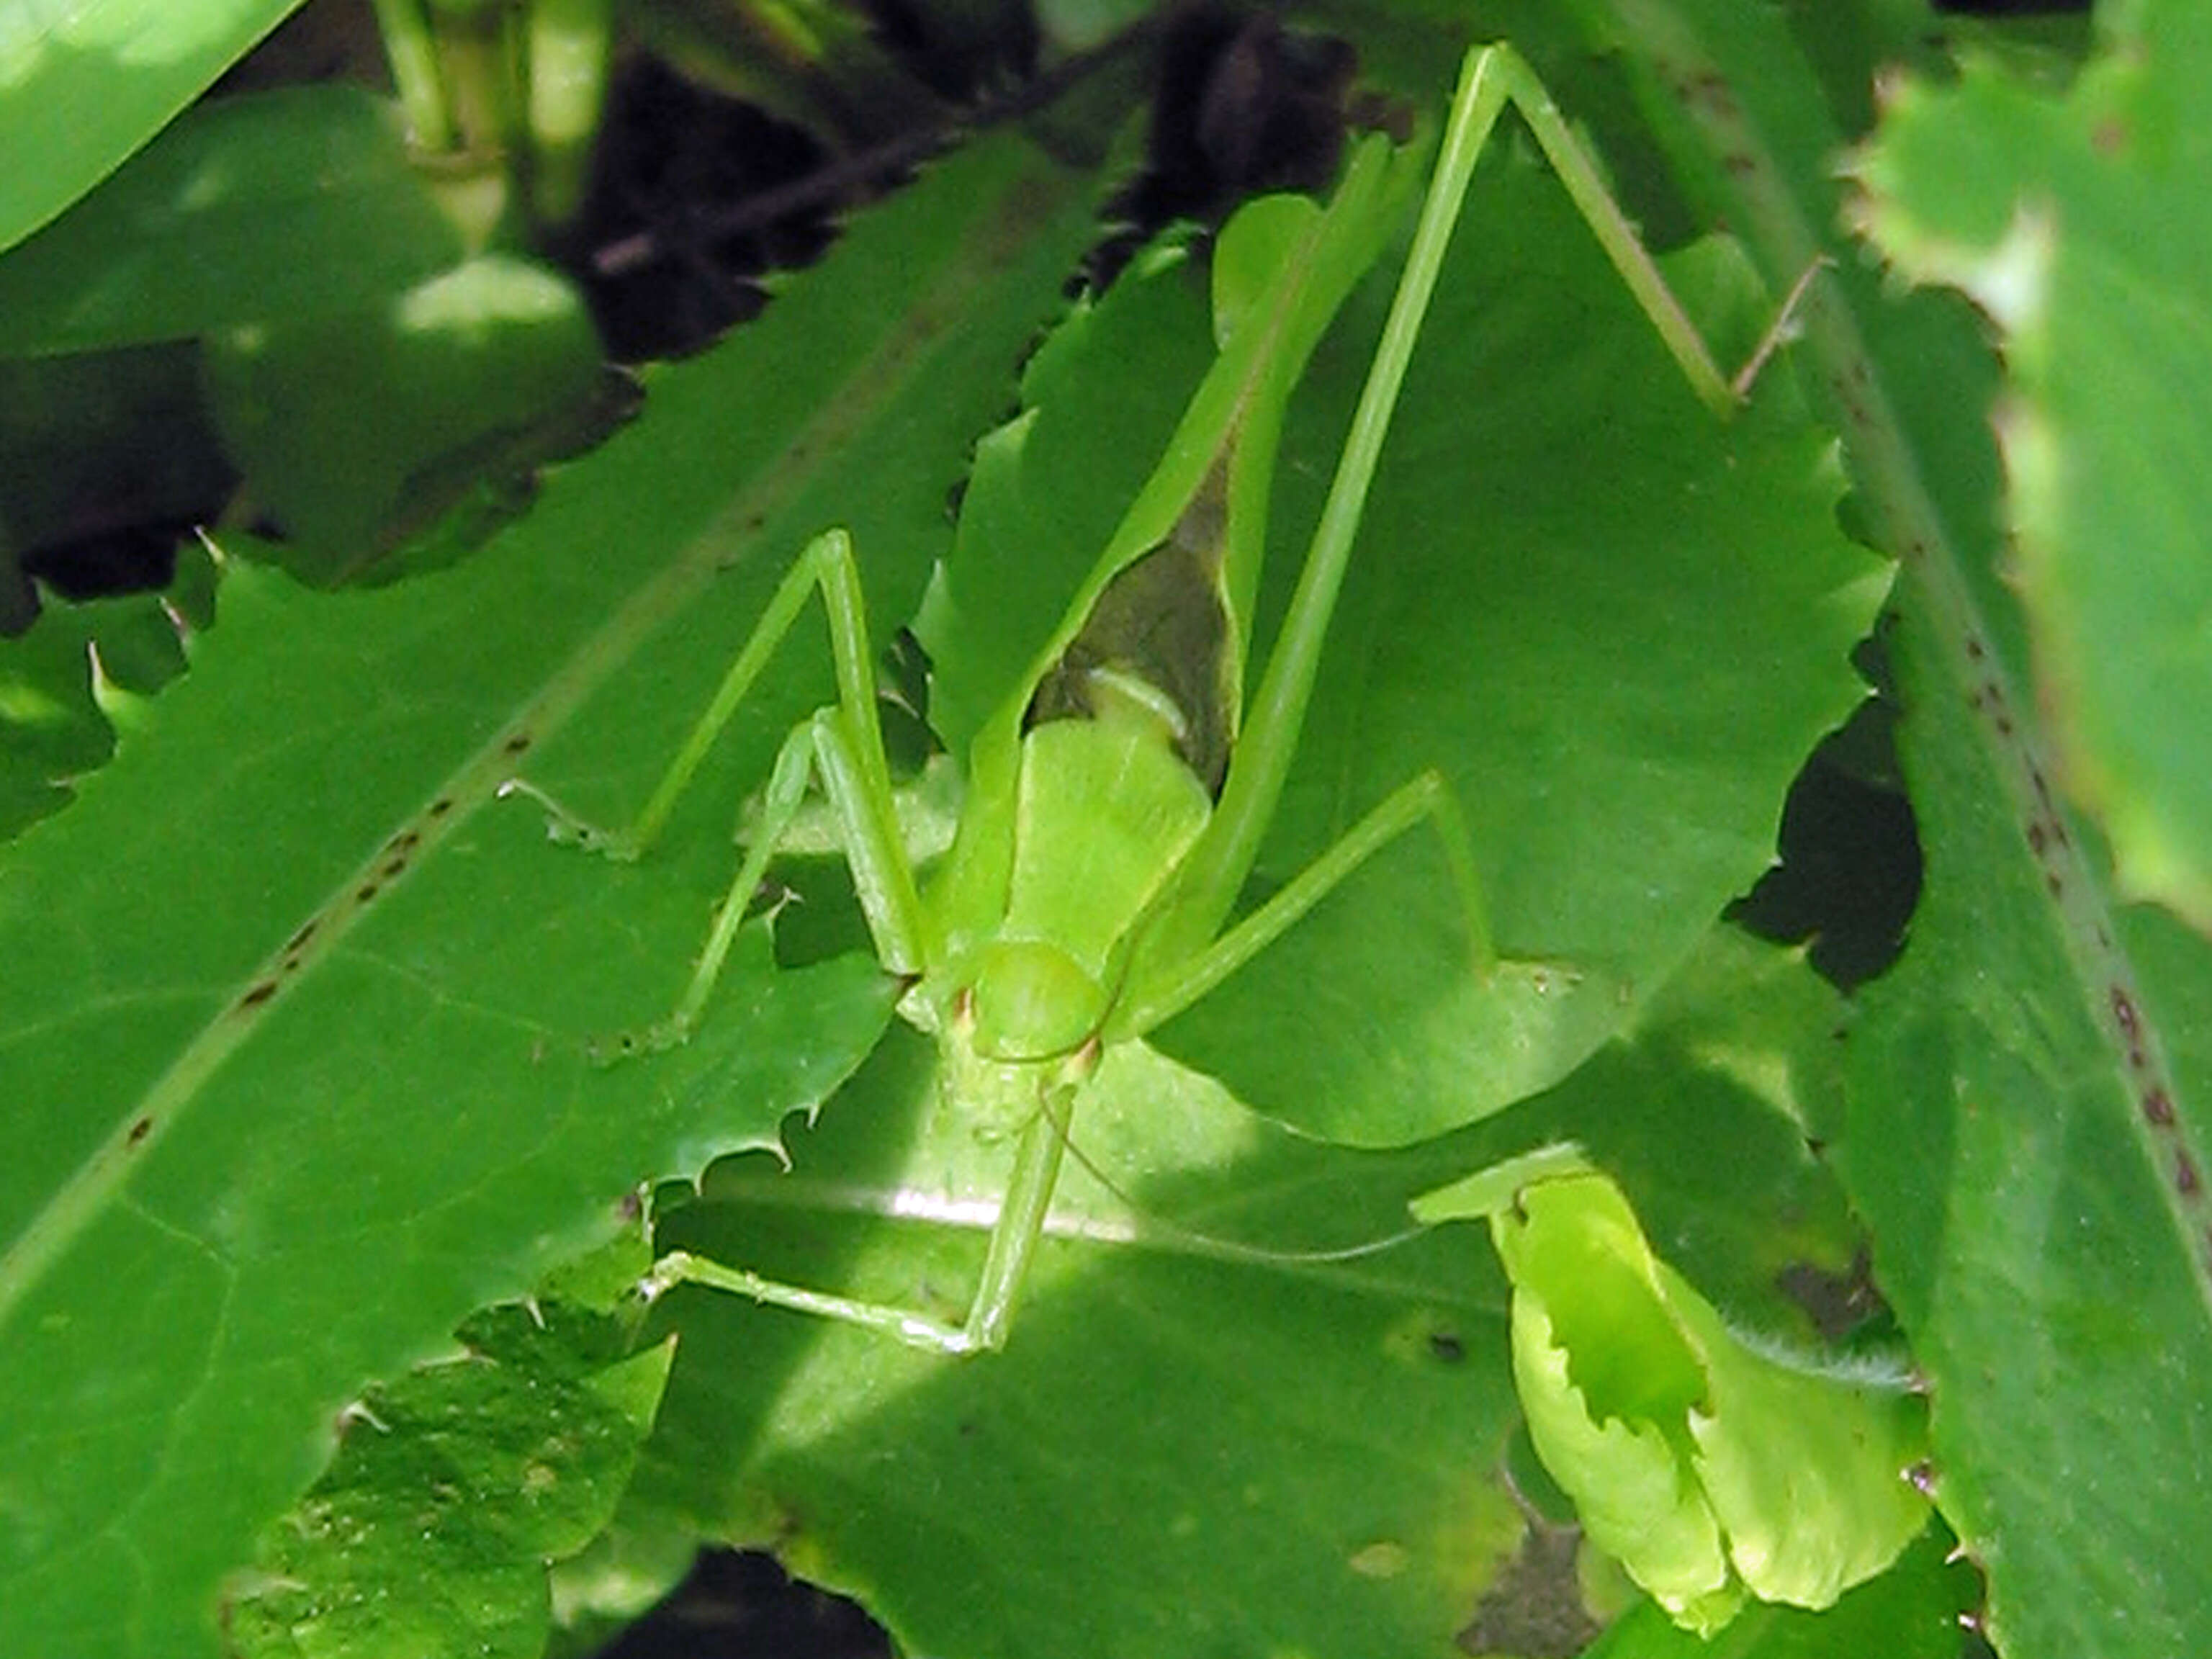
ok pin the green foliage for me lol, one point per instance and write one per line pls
(295, 1216)
(293, 1010)
(209, 226)
(2066, 219)
(2024, 1129)
(81, 88)
(69, 684)
(440, 377)
(452, 1486)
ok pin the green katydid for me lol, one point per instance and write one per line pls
(1115, 806)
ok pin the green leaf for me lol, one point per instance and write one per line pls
(294, 1018)
(1741, 1048)
(82, 86)
(2019, 1163)
(1178, 1451)
(78, 670)
(267, 208)
(1910, 1612)
(1657, 1417)
(450, 1489)
(2078, 224)
(1617, 673)
(1185, 1446)
(348, 427)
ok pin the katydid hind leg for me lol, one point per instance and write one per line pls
(1504, 76)
(1492, 78)
(1215, 872)
(1519, 85)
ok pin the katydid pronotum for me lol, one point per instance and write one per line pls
(1115, 806)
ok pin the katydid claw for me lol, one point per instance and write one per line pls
(564, 829)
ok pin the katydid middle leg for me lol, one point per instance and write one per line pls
(1425, 799)
(841, 743)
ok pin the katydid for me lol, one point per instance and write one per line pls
(1115, 806)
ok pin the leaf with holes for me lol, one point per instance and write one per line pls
(292, 1029)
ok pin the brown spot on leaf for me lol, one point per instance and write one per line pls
(1534, 1606)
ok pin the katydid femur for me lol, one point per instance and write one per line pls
(1114, 804)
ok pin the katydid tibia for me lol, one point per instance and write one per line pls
(1115, 806)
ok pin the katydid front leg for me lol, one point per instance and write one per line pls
(1014, 1238)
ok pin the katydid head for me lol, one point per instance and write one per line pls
(1031, 1000)
(1000, 1085)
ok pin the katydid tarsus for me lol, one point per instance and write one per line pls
(1115, 806)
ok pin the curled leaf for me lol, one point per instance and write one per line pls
(1712, 1466)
